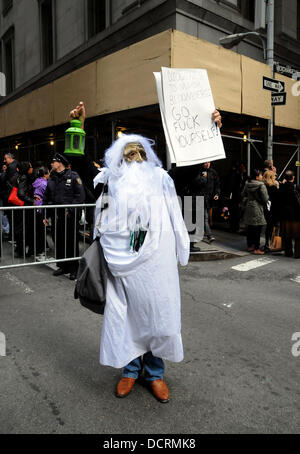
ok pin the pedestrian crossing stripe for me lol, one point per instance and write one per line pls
(252, 264)
(296, 279)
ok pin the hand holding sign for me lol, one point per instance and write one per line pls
(217, 118)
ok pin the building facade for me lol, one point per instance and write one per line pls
(55, 53)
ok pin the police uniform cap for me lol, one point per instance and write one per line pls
(60, 158)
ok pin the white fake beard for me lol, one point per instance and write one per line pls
(135, 186)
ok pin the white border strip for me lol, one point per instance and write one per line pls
(253, 264)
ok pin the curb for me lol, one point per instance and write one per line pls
(207, 256)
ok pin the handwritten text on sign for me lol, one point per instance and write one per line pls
(189, 105)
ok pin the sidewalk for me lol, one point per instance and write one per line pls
(227, 245)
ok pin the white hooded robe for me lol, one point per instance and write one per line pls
(143, 310)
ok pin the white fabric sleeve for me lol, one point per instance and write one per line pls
(102, 178)
(179, 227)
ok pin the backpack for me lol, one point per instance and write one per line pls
(91, 282)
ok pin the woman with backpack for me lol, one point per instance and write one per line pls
(256, 197)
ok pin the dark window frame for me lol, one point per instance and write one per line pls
(236, 7)
(298, 20)
(47, 47)
(1, 56)
(132, 6)
(9, 37)
(93, 13)
(246, 8)
(6, 6)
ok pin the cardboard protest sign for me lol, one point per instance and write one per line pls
(187, 105)
(163, 115)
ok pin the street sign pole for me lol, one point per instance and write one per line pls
(270, 61)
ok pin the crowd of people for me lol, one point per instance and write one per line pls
(24, 184)
(275, 205)
(259, 202)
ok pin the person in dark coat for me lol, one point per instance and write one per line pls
(289, 212)
(256, 197)
(3, 189)
(65, 188)
(4, 225)
(208, 185)
(9, 180)
(198, 180)
(25, 193)
(10, 174)
(87, 170)
(234, 186)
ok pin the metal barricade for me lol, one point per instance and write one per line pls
(39, 232)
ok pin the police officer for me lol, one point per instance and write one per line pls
(65, 188)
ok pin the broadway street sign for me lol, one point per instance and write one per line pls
(276, 86)
(279, 99)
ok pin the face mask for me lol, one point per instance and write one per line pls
(134, 152)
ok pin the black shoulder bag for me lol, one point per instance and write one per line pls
(92, 275)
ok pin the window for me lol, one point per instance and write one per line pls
(298, 20)
(247, 8)
(6, 6)
(8, 59)
(47, 34)
(234, 3)
(96, 17)
(135, 4)
(2, 75)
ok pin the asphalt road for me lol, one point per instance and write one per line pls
(238, 376)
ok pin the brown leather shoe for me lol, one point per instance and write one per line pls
(160, 391)
(124, 386)
(258, 252)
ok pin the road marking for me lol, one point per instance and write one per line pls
(253, 264)
(297, 279)
(18, 283)
(228, 305)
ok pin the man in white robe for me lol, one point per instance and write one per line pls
(143, 236)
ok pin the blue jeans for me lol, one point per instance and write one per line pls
(154, 368)
(207, 230)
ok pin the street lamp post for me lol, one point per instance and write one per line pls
(270, 61)
(233, 40)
